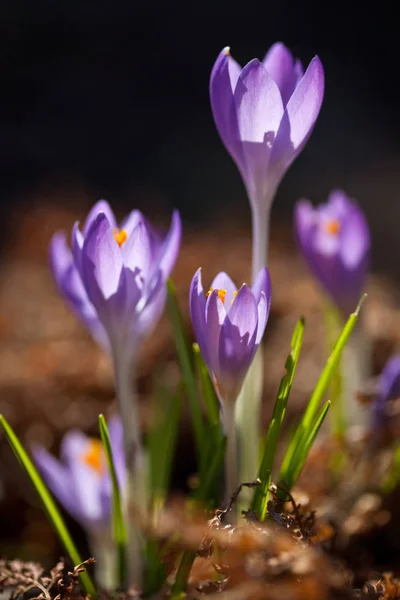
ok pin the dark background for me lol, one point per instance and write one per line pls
(110, 99)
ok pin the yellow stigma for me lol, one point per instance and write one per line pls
(332, 226)
(234, 296)
(221, 294)
(120, 236)
(93, 456)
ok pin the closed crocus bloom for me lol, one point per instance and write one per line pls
(228, 326)
(265, 114)
(334, 239)
(115, 277)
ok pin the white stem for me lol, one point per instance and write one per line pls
(231, 456)
(135, 498)
(248, 408)
(356, 365)
(260, 237)
(104, 551)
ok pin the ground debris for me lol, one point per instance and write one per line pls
(26, 580)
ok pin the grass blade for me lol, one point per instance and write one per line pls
(260, 499)
(210, 397)
(162, 441)
(50, 506)
(302, 451)
(186, 361)
(119, 529)
(319, 392)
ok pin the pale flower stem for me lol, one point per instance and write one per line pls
(356, 365)
(248, 408)
(231, 456)
(260, 240)
(135, 496)
(106, 568)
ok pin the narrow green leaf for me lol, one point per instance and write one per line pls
(319, 392)
(261, 494)
(50, 506)
(186, 361)
(210, 397)
(119, 528)
(302, 451)
(162, 439)
(393, 477)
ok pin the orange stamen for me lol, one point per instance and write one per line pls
(221, 294)
(120, 236)
(234, 296)
(94, 456)
(332, 226)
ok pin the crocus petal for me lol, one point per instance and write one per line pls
(60, 255)
(300, 116)
(222, 281)
(58, 479)
(355, 238)
(132, 221)
(101, 260)
(237, 341)
(280, 65)
(149, 316)
(258, 103)
(215, 315)
(263, 313)
(170, 246)
(262, 283)
(101, 206)
(197, 307)
(86, 481)
(222, 83)
(136, 251)
(259, 111)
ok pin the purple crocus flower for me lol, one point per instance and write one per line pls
(114, 278)
(388, 389)
(334, 239)
(228, 326)
(265, 114)
(80, 480)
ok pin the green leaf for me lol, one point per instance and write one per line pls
(260, 500)
(52, 511)
(162, 439)
(210, 397)
(302, 451)
(306, 422)
(119, 528)
(186, 361)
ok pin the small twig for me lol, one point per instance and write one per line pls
(220, 513)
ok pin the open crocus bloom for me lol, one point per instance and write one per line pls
(80, 480)
(229, 325)
(334, 239)
(265, 114)
(115, 277)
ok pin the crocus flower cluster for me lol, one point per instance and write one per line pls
(228, 326)
(80, 480)
(335, 241)
(114, 278)
(265, 114)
